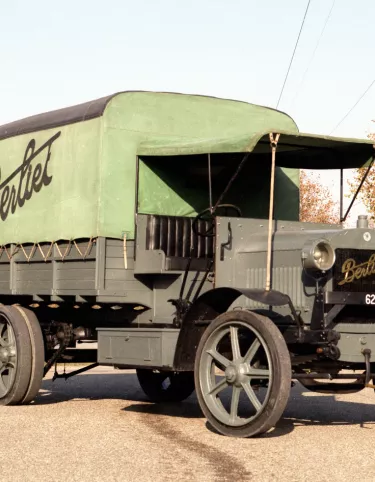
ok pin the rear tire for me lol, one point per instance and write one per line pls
(163, 386)
(21, 355)
(37, 354)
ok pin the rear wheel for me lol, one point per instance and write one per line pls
(164, 386)
(21, 355)
(37, 354)
(242, 374)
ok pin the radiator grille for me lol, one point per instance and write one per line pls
(361, 257)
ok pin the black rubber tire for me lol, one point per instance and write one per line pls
(281, 382)
(37, 354)
(23, 370)
(181, 385)
(331, 387)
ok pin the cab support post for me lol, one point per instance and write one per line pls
(341, 194)
(273, 141)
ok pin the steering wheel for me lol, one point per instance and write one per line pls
(206, 215)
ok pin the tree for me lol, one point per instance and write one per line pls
(316, 203)
(367, 192)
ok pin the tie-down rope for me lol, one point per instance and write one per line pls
(19, 246)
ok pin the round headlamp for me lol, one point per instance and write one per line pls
(318, 255)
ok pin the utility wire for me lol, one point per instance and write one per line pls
(354, 106)
(313, 54)
(294, 51)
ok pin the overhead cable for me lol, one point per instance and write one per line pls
(352, 108)
(313, 54)
(294, 51)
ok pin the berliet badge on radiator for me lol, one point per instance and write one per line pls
(27, 178)
(353, 271)
(367, 236)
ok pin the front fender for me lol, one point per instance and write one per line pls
(206, 308)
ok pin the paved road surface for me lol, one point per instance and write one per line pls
(99, 427)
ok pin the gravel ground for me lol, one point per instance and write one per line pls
(98, 426)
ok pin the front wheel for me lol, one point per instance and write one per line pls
(242, 374)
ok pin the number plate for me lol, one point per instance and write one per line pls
(352, 298)
(370, 299)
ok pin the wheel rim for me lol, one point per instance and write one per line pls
(235, 364)
(8, 356)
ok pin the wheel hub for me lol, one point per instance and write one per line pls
(231, 374)
(6, 353)
(235, 374)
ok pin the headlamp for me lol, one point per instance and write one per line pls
(318, 255)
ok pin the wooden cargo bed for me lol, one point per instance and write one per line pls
(102, 268)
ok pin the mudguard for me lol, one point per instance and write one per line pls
(205, 309)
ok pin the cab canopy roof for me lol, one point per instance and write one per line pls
(71, 173)
(169, 124)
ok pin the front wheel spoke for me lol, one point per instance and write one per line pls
(250, 354)
(258, 373)
(3, 342)
(235, 343)
(252, 397)
(3, 387)
(219, 358)
(234, 403)
(218, 387)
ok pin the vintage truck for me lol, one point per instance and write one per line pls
(165, 227)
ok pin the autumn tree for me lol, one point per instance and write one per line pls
(367, 192)
(316, 203)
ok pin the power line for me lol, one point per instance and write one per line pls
(313, 54)
(294, 51)
(354, 106)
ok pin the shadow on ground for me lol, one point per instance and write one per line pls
(304, 408)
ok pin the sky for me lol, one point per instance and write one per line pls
(56, 54)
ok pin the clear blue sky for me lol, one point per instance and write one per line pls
(56, 54)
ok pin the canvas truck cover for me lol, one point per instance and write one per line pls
(71, 173)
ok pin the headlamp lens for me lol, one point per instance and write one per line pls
(318, 255)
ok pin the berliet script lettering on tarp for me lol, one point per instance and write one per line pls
(28, 178)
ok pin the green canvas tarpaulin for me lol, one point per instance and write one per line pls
(168, 187)
(71, 173)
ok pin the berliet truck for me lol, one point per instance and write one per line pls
(165, 227)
